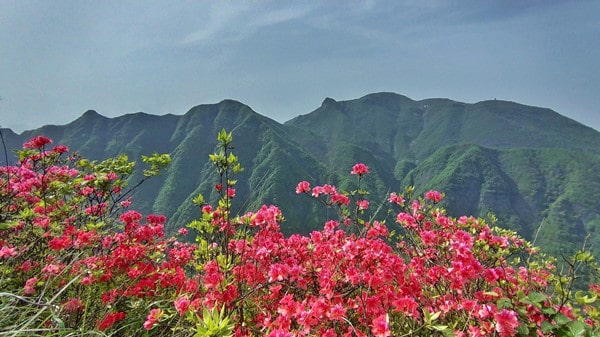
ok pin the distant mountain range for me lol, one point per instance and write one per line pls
(529, 166)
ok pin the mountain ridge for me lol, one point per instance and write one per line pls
(529, 165)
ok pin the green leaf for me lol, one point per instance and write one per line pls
(237, 168)
(8, 225)
(198, 200)
(232, 158)
(94, 226)
(430, 317)
(547, 327)
(537, 297)
(581, 298)
(448, 332)
(561, 319)
(522, 330)
(549, 311)
(584, 256)
(439, 327)
(577, 329)
(214, 323)
(504, 303)
(224, 138)
(158, 162)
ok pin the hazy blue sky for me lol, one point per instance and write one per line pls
(282, 58)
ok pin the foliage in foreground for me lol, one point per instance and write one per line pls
(75, 261)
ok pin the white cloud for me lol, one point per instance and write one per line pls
(232, 22)
(220, 18)
(281, 15)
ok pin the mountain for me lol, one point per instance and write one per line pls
(533, 168)
(529, 166)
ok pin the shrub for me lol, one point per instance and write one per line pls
(75, 260)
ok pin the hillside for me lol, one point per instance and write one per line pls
(530, 166)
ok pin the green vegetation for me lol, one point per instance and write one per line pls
(529, 166)
(76, 260)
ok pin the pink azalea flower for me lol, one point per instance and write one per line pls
(434, 196)
(182, 305)
(506, 322)
(51, 269)
(360, 169)
(303, 187)
(29, 288)
(341, 199)
(60, 149)
(362, 204)
(73, 305)
(396, 199)
(110, 319)
(381, 327)
(37, 142)
(6, 252)
(230, 192)
(152, 319)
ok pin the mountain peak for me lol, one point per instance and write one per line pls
(224, 105)
(231, 101)
(91, 114)
(329, 102)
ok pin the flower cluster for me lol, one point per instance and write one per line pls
(65, 230)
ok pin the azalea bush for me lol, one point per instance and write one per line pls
(75, 260)
(71, 256)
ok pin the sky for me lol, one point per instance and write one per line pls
(282, 58)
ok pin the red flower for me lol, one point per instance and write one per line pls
(60, 149)
(336, 312)
(360, 169)
(126, 202)
(317, 190)
(381, 327)
(152, 319)
(6, 252)
(287, 306)
(29, 288)
(329, 189)
(37, 142)
(396, 199)
(280, 333)
(182, 305)
(434, 196)
(130, 216)
(231, 192)
(60, 243)
(110, 319)
(340, 199)
(506, 322)
(277, 272)
(303, 187)
(362, 204)
(213, 276)
(207, 209)
(51, 269)
(73, 305)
